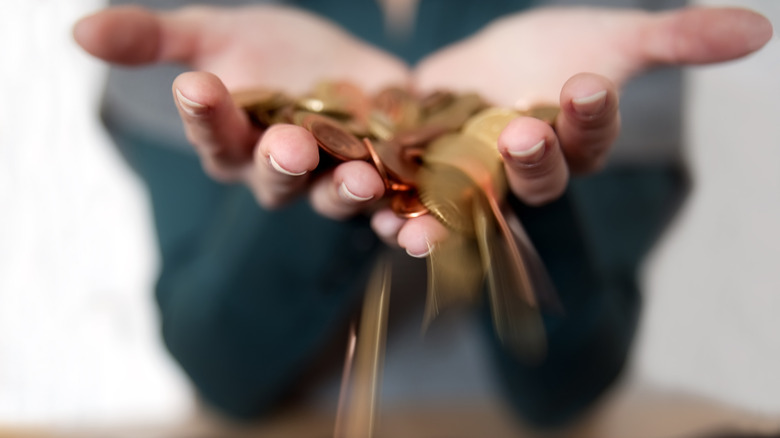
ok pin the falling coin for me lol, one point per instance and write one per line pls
(380, 166)
(447, 193)
(517, 322)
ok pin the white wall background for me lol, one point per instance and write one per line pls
(78, 333)
(713, 285)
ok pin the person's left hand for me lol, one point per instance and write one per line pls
(578, 58)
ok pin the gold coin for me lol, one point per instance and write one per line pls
(517, 322)
(547, 113)
(380, 125)
(457, 112)
(311, 104)
(447, 193)
(340, 99)
(260, 104)
(480, 162)
(253, 97)
(488, 124)
(455, 276)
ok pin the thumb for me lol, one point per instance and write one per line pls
(132, 35)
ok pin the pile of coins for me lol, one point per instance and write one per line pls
(392, 129)
(436, 155)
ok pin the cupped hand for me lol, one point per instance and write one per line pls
(238, 48)
(577, 58)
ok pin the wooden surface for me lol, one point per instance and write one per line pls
(634, 411)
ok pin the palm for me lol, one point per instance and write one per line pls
(284, 49)
(528, 57)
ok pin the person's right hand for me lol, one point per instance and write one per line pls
(236, 48)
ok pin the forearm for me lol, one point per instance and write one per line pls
(247, 297)
(591, 241)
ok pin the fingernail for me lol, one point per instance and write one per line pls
(592, 105)
(281, 169)
(189, 106)
(531, 155)
(349, 196)
(421, 255)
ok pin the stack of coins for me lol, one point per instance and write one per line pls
(436, 155)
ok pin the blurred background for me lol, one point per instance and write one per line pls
(78, 329)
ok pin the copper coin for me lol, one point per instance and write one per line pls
(401, 187)
(380, 166)
(397, 167)
(420, 136)
(398, 106)
(334, 139)
(390, 103)
(342, 99)
(407, 204)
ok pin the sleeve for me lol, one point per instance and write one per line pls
(248, 298)
(592, 242)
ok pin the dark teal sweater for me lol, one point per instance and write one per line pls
(249, 298)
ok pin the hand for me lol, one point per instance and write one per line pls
(235, 48)
(539, 57)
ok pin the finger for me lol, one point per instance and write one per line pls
(283, 161)
(386, 224)
(535, 166)
(132, 35)
(702, 35)
(589, 121)
(220, 132)
(351, 187)
(418, 235)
